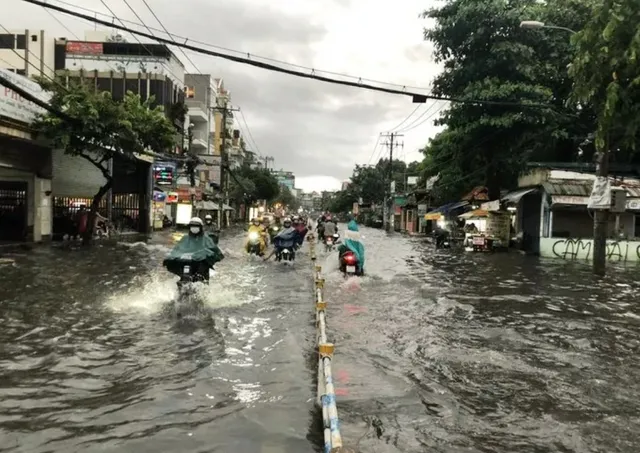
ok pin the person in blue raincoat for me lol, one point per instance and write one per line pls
(351, 243)
(288, 237)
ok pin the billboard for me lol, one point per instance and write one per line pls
(84, 48)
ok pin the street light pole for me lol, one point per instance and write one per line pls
(601, 216)
(534, 24)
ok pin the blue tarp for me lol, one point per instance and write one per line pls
(446, 208)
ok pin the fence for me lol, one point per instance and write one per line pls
(326, 391)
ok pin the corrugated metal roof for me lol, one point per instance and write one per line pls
(568, 188)
(583, 188)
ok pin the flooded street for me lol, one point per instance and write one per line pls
(435, 351)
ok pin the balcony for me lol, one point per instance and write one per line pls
(199, 142)
(197, 111)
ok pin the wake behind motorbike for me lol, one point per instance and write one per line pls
(191, 273)
(349, 265)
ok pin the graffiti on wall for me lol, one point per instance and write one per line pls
(582, 249)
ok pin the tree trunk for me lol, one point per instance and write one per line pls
(87, 237)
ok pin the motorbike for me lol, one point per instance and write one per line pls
(285, 254)
(349, 265)
(254, 246)
(443, 244)
(330, 241)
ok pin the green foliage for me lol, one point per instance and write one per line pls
(97, 128)
(287, 199)
(102, 127)
(260, 184)
(487, 56)
(607, 74)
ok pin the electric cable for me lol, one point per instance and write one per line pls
(296, 73)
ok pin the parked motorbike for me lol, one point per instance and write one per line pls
(349, 265)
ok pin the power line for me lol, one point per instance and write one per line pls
(417, 120)
(226, 49)
(274, 68)
(414, 125)
(375, 147)
(113, 25)
(405, 120)
(167, 32)
(250, 135)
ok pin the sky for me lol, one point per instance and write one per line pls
(317, 130)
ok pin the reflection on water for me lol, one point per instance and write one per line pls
(478, 353)
(436, 351)
(90, 361)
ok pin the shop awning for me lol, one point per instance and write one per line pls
(212, 206)
(444, 210)
(514, 197)
(476, 214)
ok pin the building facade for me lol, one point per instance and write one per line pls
(110, 64)
(25, 166)
(27, 52)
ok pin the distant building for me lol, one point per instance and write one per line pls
(286, 179)
(345, 184)
(27, 52)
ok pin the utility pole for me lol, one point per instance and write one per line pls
(268, 159)
(388, 216)
(224, 161)
(601, 217)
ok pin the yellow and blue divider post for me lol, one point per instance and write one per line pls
(326, 391)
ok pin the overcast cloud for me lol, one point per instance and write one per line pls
(317, 130)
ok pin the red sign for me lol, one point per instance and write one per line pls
(85, 48)
(184, 195)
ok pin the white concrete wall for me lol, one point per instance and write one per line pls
(74, 176)
(43, 212)
(582, 249)
(39, 62)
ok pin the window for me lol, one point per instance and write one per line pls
(11, 70)
(7, 41)
(21, 72)
(21, 42)
(34, 38)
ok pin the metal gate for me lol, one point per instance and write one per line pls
(14, 210)
(125, 210)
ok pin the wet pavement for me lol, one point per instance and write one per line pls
(436, 351)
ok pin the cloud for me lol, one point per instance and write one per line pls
(312, 128)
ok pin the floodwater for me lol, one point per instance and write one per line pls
(435, 352)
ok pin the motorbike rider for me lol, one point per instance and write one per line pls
(211, 229)
(330, 227)
(320, 227)
(301, 228)
(256, 227)
(286, 237)
(204, 253)
(440, 235)
(352, 243)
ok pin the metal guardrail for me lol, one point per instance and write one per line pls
(326, 391)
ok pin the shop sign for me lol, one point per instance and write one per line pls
(14, 106)
(172, 197)
(84, 48)
(163, 173)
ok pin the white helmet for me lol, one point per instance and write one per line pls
(208, 217)
(196, 221)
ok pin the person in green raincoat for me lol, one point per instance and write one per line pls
(351, 243)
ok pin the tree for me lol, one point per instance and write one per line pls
(260, 185)
(606, 72)
(287, 199)
(97, 128)
(488, 57)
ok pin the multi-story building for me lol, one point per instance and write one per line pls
(111, 64)
(286, 179)
(27, 52)
(345, 185)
